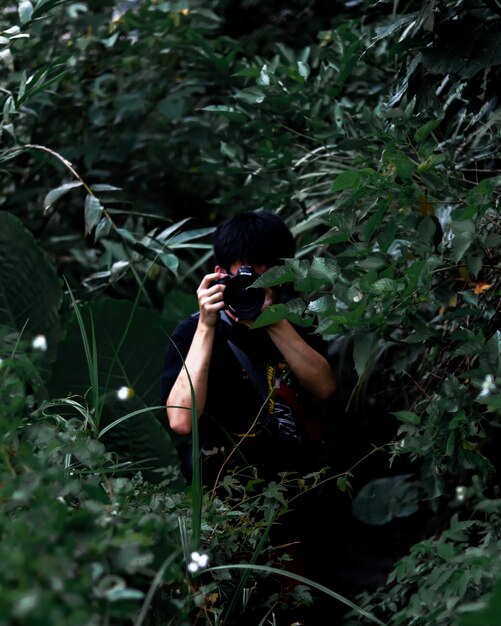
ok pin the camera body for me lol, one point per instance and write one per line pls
(240, 299)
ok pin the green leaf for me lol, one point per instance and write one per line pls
(229, 112)
(303, 69)
(463, 234)
(364, 347)
(276, 276)
(383, 499)
(403, 166)
(422, 133)
(25, 11)
(131, 343)
(251, 95)
(59, 192)
(383, 286)
(103, 228)
(351, 179)
(342, 483)
(292, 311)
(30, 291)
(93, 212)
(104, 187)
(324, 268)
(170, 261)
(408, 417)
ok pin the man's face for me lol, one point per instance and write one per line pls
(234, 267)
(260, 269)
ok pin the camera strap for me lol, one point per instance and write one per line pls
(257, 378)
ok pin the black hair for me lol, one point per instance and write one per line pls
(252, 238)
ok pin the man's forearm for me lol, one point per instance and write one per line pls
(195, 371)
(311, 368)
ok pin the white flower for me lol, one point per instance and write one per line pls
(39, 343)
(460, 493)
(488, 386)
(124, 393)
(198, 561)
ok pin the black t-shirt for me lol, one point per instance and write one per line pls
(261, 412)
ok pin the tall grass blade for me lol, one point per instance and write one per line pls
(89, 356)
(305, 581)
(126, 417)
(243, 581)
(196, 478)
(153, 588)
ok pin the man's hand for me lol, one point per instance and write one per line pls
(210, 299)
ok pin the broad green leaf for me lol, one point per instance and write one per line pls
(25, 11)
(463, 234)
(323, 304)
(93, 212)
(342, 483)
(170, 261)
(422, 133)
(303, 69)
(292, 311)
(251, 95)
(401, 163)
(396, 23)
(373, 262)
(324, 268)
(264, 77)
(59, 192)
(276, 276)
(185, 237)
(104, 187)
(347, 180)
(384, 499)
(129, 349)
(230, 112)
(30, 291)
(364, 347)
(408, 417)
(103, 228)
(383, 286)
(130, 345)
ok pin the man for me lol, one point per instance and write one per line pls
(225, 361)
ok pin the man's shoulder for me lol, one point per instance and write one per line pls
(187, 326)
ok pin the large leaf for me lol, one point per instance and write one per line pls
(30, 291)
(130, 349)
(130, 345)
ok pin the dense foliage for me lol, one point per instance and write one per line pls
(373, 129)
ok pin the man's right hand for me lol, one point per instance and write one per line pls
(210, 299)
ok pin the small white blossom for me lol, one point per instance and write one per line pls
(460, 493)
(488, 386)
(39, 343)
(124, 393)
(198, 561)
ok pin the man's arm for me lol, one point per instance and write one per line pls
(311, 368)
(196, 364)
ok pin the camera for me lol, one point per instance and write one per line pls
(240, 299)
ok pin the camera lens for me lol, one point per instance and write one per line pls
(242, 300)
